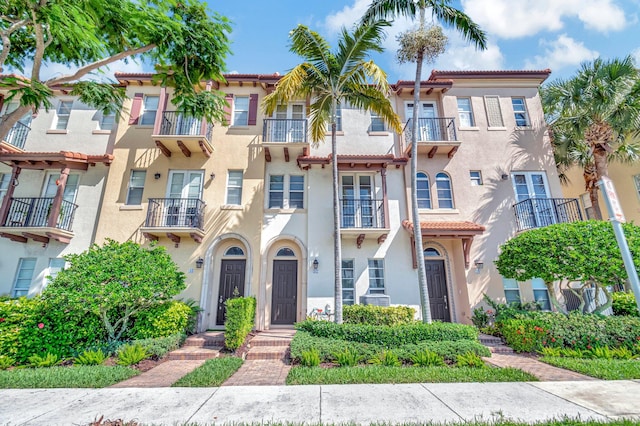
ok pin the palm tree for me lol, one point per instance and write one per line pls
(440, 9)
(331, 79)
(594, 117)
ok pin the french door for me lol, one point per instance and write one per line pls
(428, 128)
(289, 126)
(183, 193)
(358, 209)
(539, 209)
(49, 192)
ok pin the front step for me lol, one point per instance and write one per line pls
(210, 338)
(268, 352)
(486, 339)
(194, 353)
(500, 349)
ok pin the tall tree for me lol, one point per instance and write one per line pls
(187, 43)
(332, 78)
(594, 117)
(421, 42)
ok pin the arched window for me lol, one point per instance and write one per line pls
(285, 252)
(445, 195)
(424, 192)
(431, 252)
(234, 251)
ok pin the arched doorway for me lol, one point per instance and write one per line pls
(437, 279)
(233, 265)
(284, 291)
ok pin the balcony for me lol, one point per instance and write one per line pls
(33, 218)
(178, 133)
(435, 136)
(18, 135)
(281, 136)
(538, 212)
(360, 218)
(174, 218)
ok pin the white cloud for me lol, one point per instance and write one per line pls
(560, 53)
(460, 55)
(636, 56)
(514, 19)
(347, 17)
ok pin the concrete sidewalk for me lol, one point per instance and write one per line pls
(437, 402)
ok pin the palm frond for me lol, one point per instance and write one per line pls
(459, 21)
(291, 86)
(389, 9)
(319, 117)
(312, 47)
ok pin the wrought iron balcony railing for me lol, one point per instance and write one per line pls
(361, 213)
(18, 135)
(432, 129)
(175, 213)
(539, 212)
(284, 130)
(178, 124)
(35, 212)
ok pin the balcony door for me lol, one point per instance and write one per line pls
(41, 211)
(184, 193)
(18, 133)
(358, 205)
(427, 120)
(289, 124)
(187, 125)
(533, 186)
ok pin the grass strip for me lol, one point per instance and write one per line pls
(382, 374)
(608, 369)
(212, 373)
(78, 376)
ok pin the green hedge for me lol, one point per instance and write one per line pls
(624, 304)
(327, 348)
(162, 320)
(378, 315)
(390, 337)
(241, 312)
(160, 346)
(532, 332)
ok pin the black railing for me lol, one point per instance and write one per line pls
(34, 213)
(281, 130)
(432, 129)
(175, 213)
(539, 212)
(18, 135)
(178, 124)
(361, 213)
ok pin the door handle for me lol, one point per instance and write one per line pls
(220, 300)
(446, 304)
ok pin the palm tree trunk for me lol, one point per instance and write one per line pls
(425, 307)
(337, 243)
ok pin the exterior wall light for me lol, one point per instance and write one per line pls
(212, 176)
(504, 176)
(315, 265)
(479, 265)
(157, 176)
(199, 262)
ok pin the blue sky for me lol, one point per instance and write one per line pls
(524, 34)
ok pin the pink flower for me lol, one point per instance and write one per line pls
(1, 319)
(40, 325)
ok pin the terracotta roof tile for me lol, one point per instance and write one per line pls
(445, 226)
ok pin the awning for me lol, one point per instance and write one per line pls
(53, 160)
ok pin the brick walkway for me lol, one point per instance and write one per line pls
(162, 376)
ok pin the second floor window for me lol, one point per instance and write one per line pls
(296, 192)
(108, 121)
(520, 112)
(4, 184)
(234, 187)
(136, 187)
(62, 114)
(286, 191)
(276, 191)
(476, 177)
(149, 110)
(445, 194)
(377, 124)
(465, 114)
(241, 111)
(424, 192)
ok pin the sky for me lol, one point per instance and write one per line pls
(523, 34)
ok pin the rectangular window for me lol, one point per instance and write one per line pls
(21, 285)
(376, 276)
(136, 186)
(541, 293)
(377, 125)
(149, 110)
(520, 112)
(465, 114)
(4, 185)
(636, 180)
(511, 290)
(338, 118)
(56, 264)
(476, 177)
(234, 187)
(348, 282)
(62, 113)
(276, 191)
(296, 192)
(108, 121)
(241, 111)
(494, 113)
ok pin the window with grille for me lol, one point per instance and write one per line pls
(445, 194)
(234, 187)
(348, 282)
(24, 276)
(424, 192)
(136, 187)
(376, 276)
(520, 112)
(465, 114)
(62, 114)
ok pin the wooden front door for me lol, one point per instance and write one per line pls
(437, 283)
(284, 292)
(231, 278)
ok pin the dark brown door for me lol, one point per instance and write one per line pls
(437, 283)
(285, 292)
(231, 278)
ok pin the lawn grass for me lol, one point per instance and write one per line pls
(212, 373)
(608, 369)
(381, 374)
(80, 376)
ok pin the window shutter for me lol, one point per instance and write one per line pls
(494, 114)
(253, 109)
(135, 108)
(227, 109)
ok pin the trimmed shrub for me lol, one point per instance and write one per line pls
(241, 312)
(378, 315)
(159, 346)
(390, 337)
(162, 320)
(624, 304)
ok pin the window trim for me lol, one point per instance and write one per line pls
(378, 279)
(290, 191)
(524, 111)
(237, 187)
(450, 181)
(375, 118)
(237, 110)
(15, 278)
(143, 110)
(101, 122)
(478, 180)
(130, 186)
(56, 126)
(468, 113)
(511, 288)
(418, 179)
(539, 289)
(274, 191)
(286, 192)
